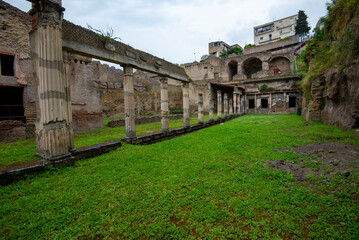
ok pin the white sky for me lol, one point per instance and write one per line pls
(180, 30)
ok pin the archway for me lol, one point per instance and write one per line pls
(251, 66)
(232, 69)
(282, 63)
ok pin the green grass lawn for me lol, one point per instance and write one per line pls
(24, 150)
(210, 184)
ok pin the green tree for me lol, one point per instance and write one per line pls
(302, 28)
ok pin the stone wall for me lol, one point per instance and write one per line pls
(15, 26)
(335, 98)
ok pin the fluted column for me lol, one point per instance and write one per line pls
(129, 93)
(54, 134)
(185, 89)
(225, 105)
(211, 103)
(219, 104)
(200, 108)
(164, 104)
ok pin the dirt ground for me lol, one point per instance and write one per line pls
(321, 159)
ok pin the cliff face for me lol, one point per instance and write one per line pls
(341, 97)
(331, 85)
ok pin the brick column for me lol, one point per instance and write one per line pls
(234, 103)
(54, 134)
(211, 103)
(219, 104)
(164, 104)
(185, 89)
(128, 89)
(200, 108)
(225, 105)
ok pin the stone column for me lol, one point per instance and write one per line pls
(185, 90)
(54, 134)
(129, 93)
(230, 107)
(200, 108)
(225, 105)
(211, 103)
(219, 104)
(255, 103)
(239, 102)
(164, 104)
(270, 103)
(235, 103)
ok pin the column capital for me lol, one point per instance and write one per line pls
(163, 80)
(127, 69)
(185, 85)
(42, 12)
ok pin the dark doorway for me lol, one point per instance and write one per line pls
(11, 103)
(251, 103)
(264, 103)
(7, 65)
(292, 102)
(233, 69)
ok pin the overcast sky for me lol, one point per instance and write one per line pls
(180, 30)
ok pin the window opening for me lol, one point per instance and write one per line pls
(264, 103)
(292, 102)
(7, 65)
(251, 103)
(11, 103)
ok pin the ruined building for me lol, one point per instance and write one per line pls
(261, 80)
(96, 89)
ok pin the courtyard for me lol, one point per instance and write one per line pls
(255, 177)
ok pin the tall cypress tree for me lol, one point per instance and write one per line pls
(302, 28)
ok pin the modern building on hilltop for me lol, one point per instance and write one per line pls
(275, 31)
(217, 48)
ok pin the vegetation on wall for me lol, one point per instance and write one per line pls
(265, 88)
(335, 42)
(236, 50)
(106, 35)
(249, 45)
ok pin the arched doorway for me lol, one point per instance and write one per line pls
(232, 69)
(251, 66)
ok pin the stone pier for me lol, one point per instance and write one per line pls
(219, 104)
(230, 107)
(128, 89)
(164, 104)
(239, 101)
(235, 104)
(200, 109)
(54, 134)
(225, 105)
(211, 103)
(185, 89)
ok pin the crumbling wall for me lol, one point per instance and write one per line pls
(85, 96)
(15, 26)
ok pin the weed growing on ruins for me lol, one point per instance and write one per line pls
(106, 35)
(211, 184)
